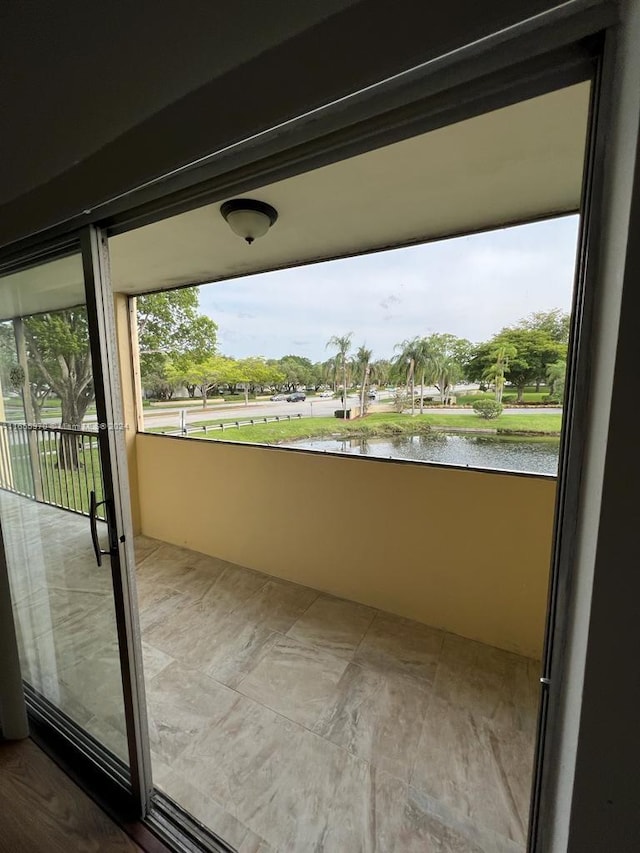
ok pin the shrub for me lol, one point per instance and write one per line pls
(363, 428)
(400, 401)
(390, 429)
(16, 377)
(421, 429)
(488, 409)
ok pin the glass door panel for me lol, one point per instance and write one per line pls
(52, 490)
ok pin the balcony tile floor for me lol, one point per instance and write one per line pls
(283, 718)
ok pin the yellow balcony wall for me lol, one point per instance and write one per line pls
(462, 550)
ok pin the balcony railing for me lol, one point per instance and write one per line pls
(53, 465)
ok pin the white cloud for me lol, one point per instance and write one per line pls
(469, 286)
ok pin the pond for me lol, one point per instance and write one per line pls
(506, 453)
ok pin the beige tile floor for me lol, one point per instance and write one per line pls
(285, 719)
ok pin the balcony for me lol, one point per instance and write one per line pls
(349, 687)
(315, 722)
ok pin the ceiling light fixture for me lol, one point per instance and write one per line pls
(248, 218)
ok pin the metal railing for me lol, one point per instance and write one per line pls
(53, 465)
(226, 425)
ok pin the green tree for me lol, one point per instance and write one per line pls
(381, 372)
(38, 390)
(58, 355)
(256, 371)
(163, 317)
(203, 373)
(412, 353)
(555, 324)
(362, 363)
(495, 373)
(426, 365)
(170, 327)
(534, 352)
(296, 370)
(330, 370)
(462, 351)
(342, 343)
(7, 354)
(317, 375)
(446, 354)
(556, 375)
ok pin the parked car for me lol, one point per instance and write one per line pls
(296, 397)
(372, 395)
(325, 394)
(278, 397)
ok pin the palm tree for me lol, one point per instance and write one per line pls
(556, 374)
(381, 372)
(329, 373)
(495, 372)
(447, 371)
(406, 355)
(425, 365)
(417, 355)
(343, 344)
(362, 364)
(445, 362)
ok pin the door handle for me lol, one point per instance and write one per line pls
(93, 523)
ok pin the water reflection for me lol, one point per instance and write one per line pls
(506, 453)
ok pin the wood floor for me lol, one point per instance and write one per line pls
(43, 811)
(286, 720)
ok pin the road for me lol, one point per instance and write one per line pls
(319, 407)
(312, 407)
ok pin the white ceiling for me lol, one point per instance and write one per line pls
(511, 165)
(48, 287)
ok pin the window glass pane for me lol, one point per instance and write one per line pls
(49, 467)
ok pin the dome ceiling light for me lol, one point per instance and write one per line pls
(248, 218)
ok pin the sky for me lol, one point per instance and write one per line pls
(468, 286)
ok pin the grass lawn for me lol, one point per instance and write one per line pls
(51, 409)
(66, 487)
(379, 425)
(543, 422)
(508, 398)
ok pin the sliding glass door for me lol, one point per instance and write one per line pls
(64, 523)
